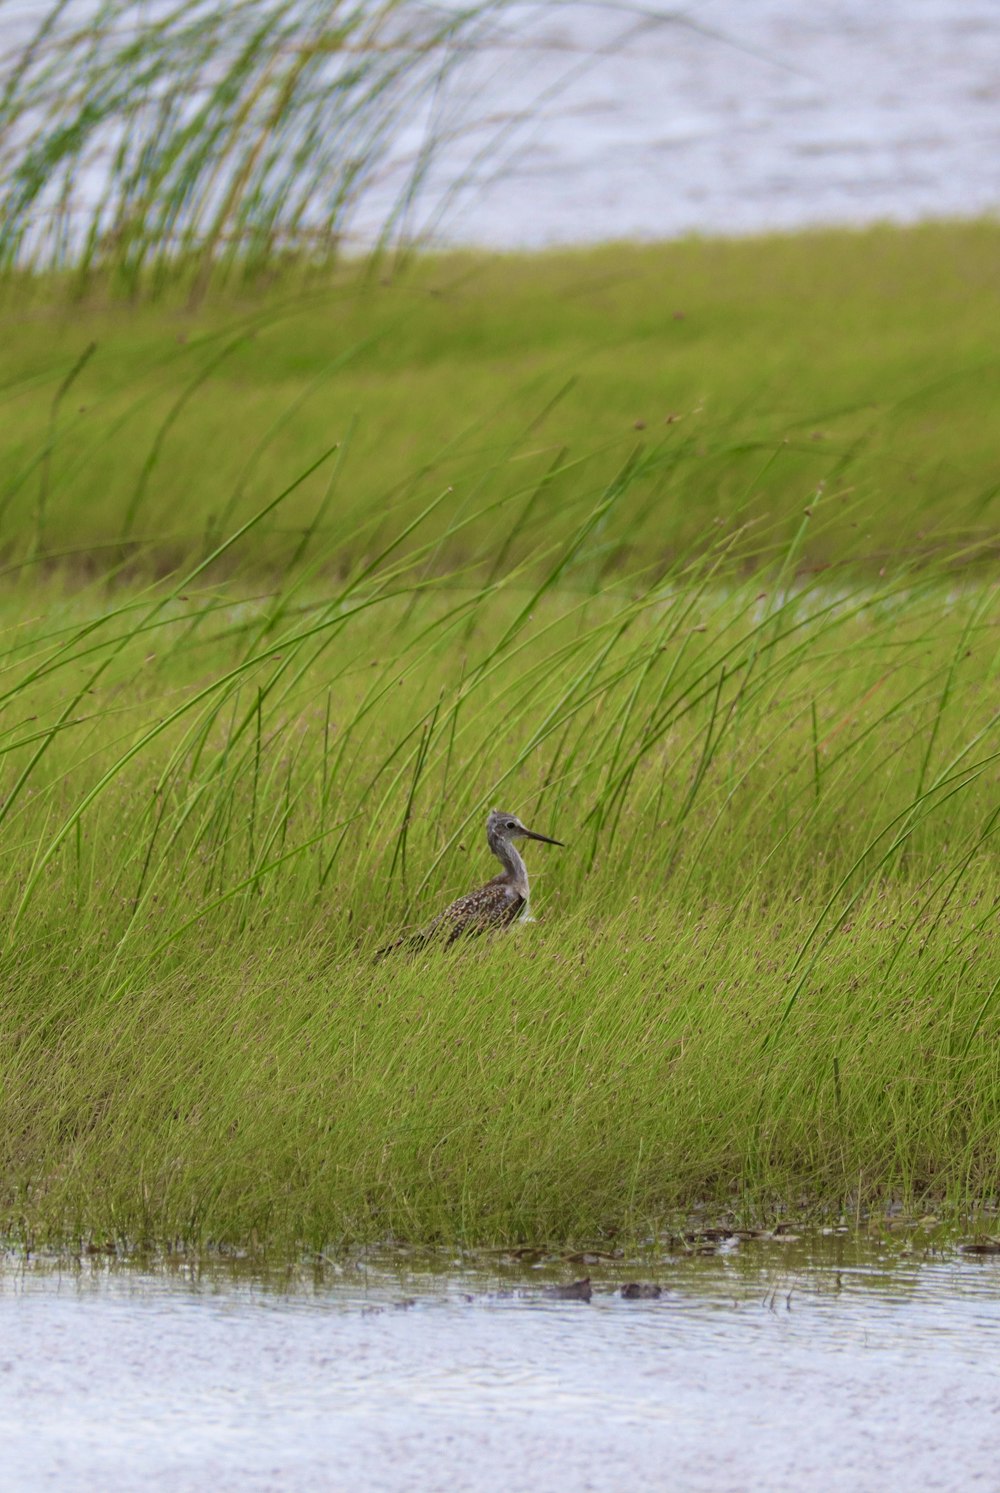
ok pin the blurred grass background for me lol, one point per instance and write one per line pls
(746, 374)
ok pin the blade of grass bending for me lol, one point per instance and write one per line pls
(612, 494)
(334, 620)
(906, 817)
(960, 651)
(955, 875)
(159, 605)
(980, 1014)
(614, 803)
(316, 522)
(169, 420)
(331, 366)
(110, 775)
(228, 894)
(46, 472)
(399, 851)
(482, 480)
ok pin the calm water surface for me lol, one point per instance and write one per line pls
(723, 117)
(823, 1363)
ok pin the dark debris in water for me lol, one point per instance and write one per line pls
(577, 1290)
(582, 1290)
(402, 1305)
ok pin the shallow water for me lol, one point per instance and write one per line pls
(828, 1362)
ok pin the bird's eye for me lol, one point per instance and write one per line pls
(512, 824)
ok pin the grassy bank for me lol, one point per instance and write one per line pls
(232, 767)
(741, 375)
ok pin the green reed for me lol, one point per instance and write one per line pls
(198, 139)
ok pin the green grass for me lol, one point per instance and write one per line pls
(231, 768)
(195, 145)
(865, 362)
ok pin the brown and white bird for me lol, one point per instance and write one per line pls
(493, 906)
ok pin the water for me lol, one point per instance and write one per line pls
(582, 122)
(827, 1362)
(734, 118)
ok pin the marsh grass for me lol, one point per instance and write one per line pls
(189, 142)
(764, 965)
(262, 675)
(738, 378)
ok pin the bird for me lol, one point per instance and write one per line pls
(493, 906)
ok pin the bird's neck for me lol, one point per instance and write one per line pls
(513, 865)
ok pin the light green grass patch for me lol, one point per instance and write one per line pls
(755, 371)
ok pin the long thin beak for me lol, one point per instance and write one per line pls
(544, 838)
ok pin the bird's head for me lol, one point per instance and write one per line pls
(501, 826)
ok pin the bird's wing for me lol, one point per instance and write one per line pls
(495, 905)
(491, 906)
